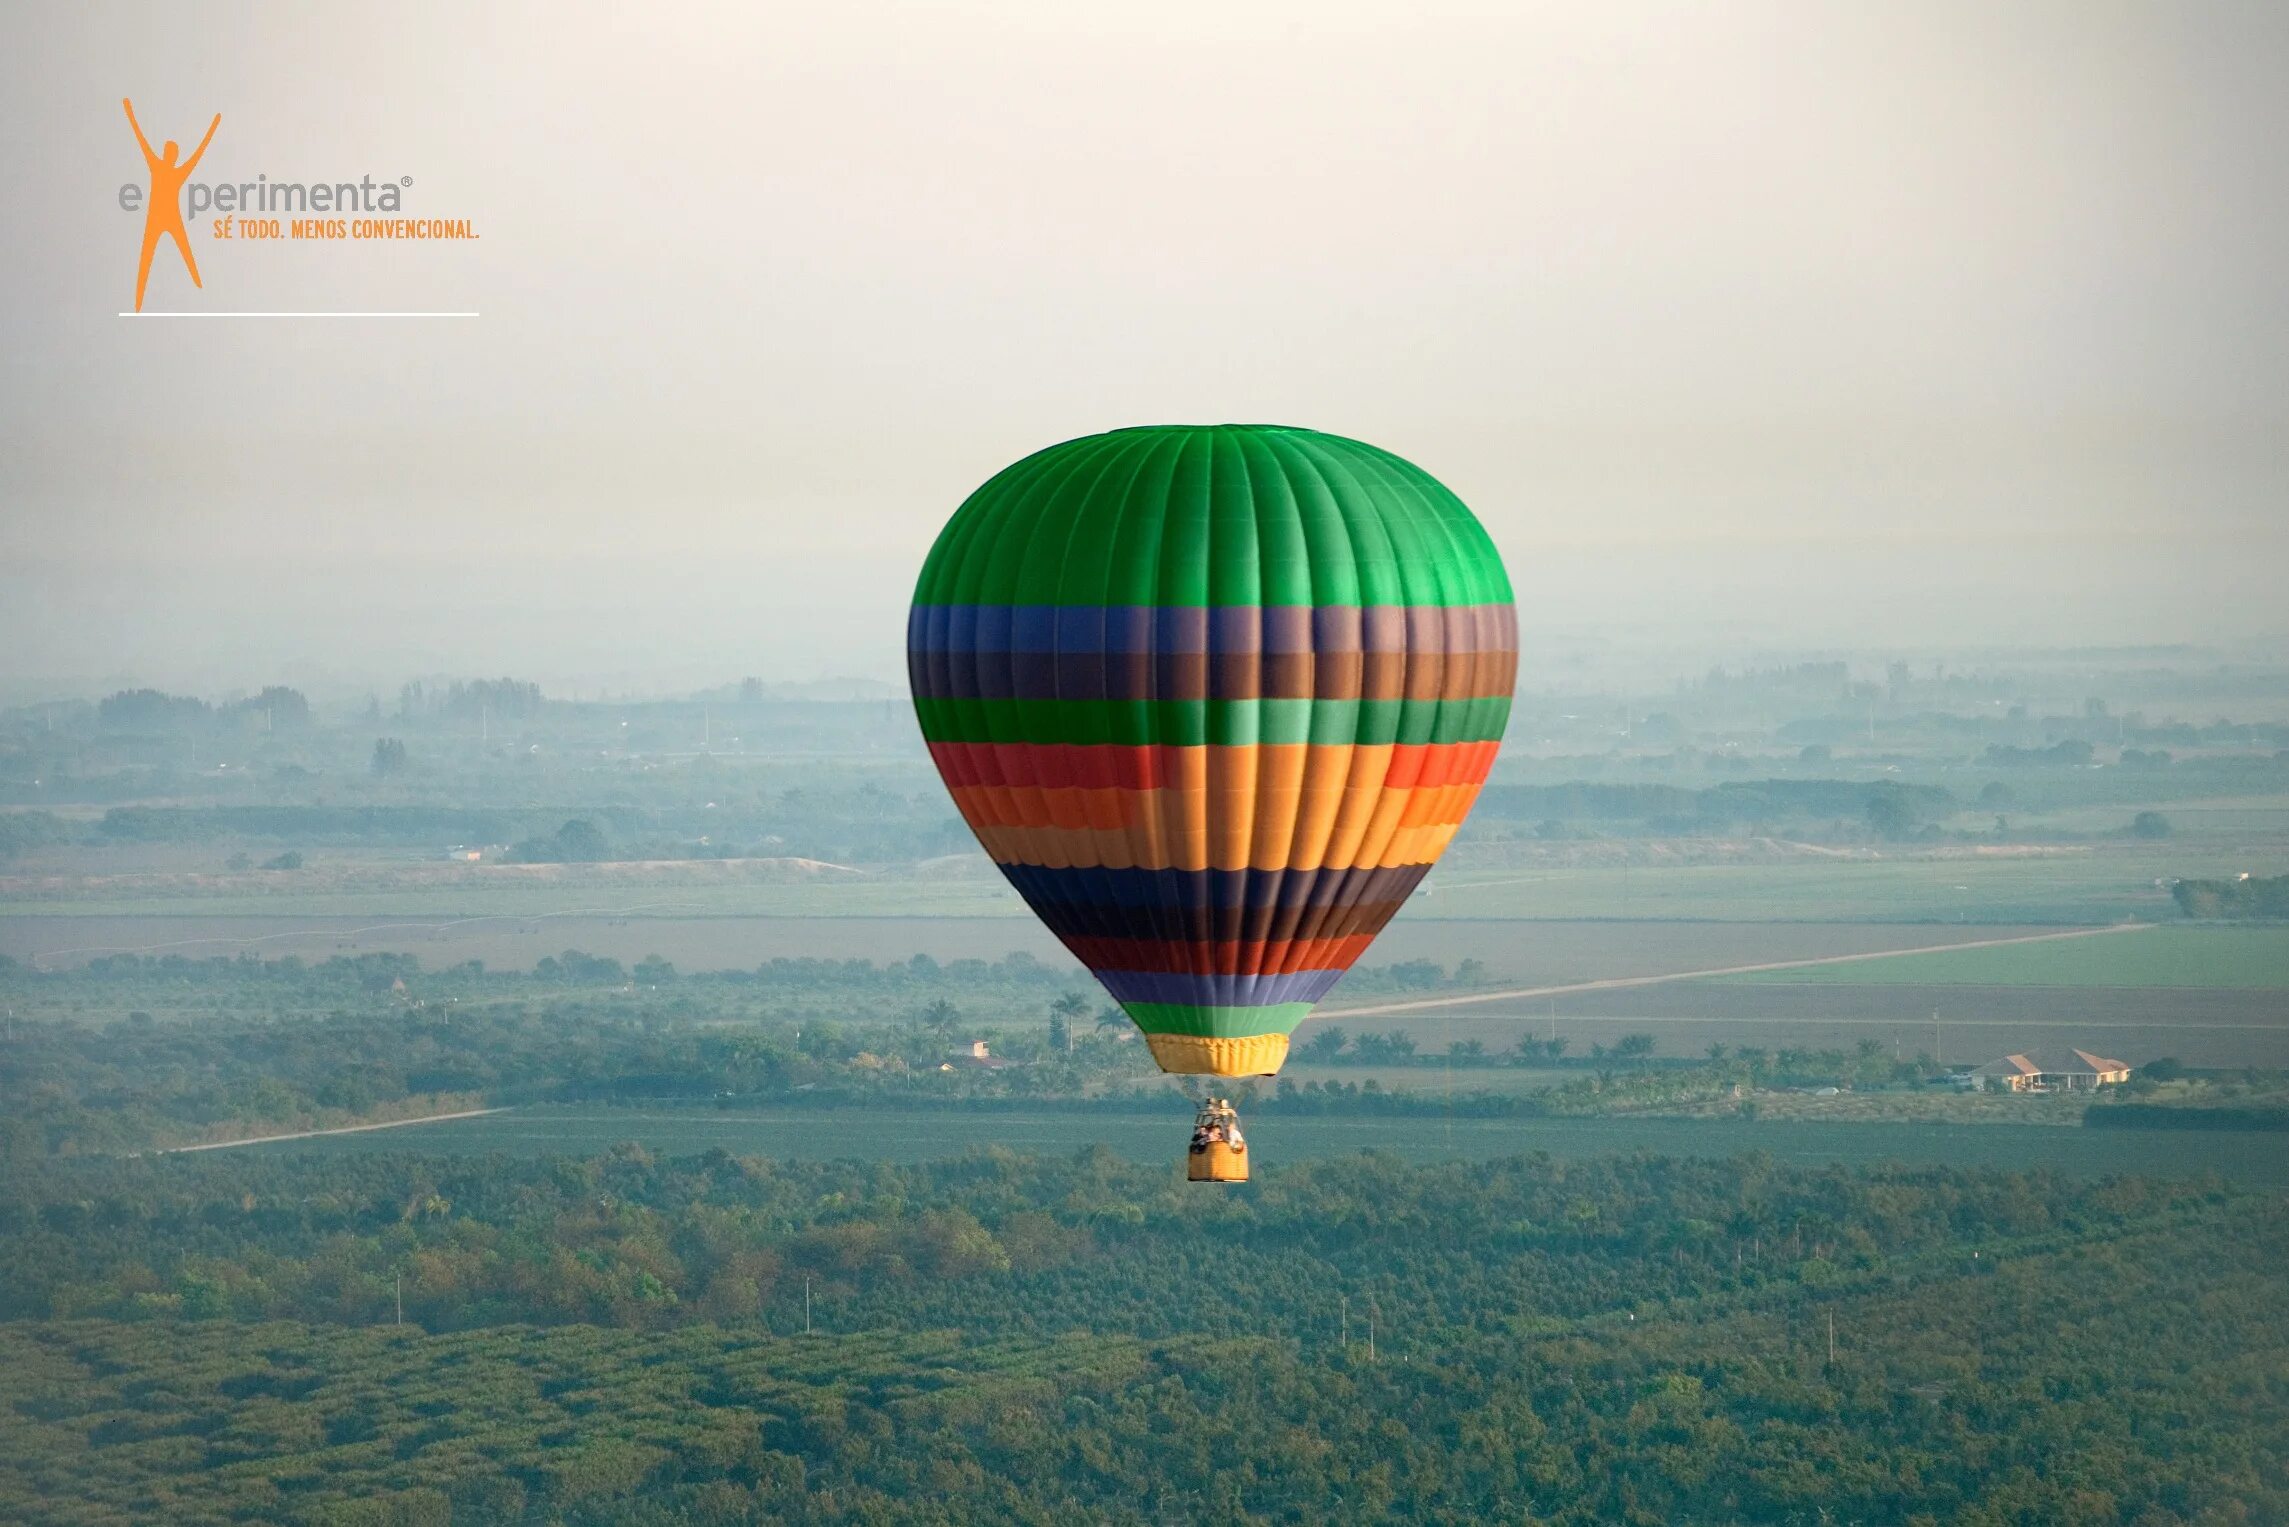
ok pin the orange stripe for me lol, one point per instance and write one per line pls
(1262, 807)
(1158, 832)
(1129, 813)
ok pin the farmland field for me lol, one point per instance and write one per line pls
(1723, 880)
(1958, 1025)
(881, 1134)
(2246, 958)
(2100, 883)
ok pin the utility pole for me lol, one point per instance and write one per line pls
(1370, 1330)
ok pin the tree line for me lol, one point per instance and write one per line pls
(2252, 896)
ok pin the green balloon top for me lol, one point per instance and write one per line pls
(1213, 515)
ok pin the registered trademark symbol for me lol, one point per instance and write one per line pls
(405, 180)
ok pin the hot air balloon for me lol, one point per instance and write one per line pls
(1214, 698)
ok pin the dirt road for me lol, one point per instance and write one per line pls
(347, 1129)
(1616, 983)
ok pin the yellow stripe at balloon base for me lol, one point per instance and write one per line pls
(1212, 1055)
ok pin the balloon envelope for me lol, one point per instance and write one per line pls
(1214, 698)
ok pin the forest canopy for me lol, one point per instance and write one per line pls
(716, 1339)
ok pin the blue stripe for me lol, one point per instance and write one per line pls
(1221, 906)
(1218, 991)
(1131, 629)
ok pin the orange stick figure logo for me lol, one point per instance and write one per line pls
(165, 215)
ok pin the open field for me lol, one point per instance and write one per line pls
(1498, 993)
(2096, 883)
(877, 1134)
(1975, 1024)
(1725, 880)
(2240, 818)
(610, 890)
(2159, 957)
(321, 1134)
(517, 943)
(2209, 996)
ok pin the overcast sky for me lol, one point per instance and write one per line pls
(1769, 326)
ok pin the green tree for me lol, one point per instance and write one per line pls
(1067, 1010)
(1891, 811)
(580, 841)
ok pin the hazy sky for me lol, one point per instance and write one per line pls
(1774, 325)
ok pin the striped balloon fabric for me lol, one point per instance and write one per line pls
(1214, 698)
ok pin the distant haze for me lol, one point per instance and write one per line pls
(1738, 325)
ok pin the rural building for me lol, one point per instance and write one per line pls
(975, 1056)
(2051, 1071)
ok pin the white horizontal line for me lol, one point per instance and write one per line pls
(298, 315)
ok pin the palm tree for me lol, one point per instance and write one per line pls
(1063, 1014)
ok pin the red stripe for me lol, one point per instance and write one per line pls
(1060, 765)
(1428, 765)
